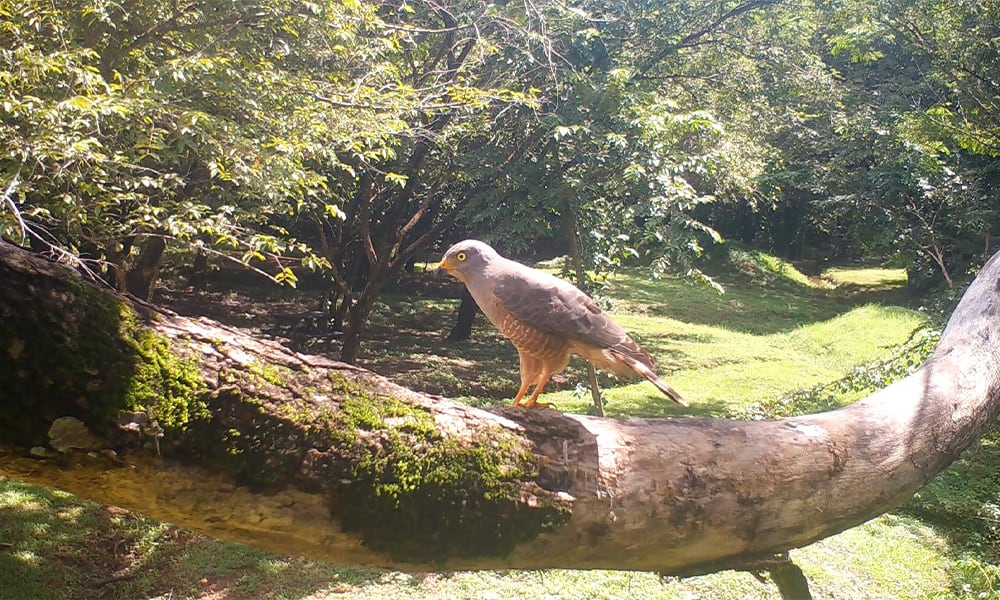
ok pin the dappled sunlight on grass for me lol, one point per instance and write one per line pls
(867, 277)
(107, 552)
(888, 557)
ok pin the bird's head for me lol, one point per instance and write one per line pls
(466, 258)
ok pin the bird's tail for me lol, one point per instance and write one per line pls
(644, 369)
(664, 387)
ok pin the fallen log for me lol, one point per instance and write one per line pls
(192, 422)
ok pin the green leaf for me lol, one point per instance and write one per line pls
(286, 277)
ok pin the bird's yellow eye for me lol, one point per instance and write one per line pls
(461, 256)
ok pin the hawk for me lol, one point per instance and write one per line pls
(547, 319)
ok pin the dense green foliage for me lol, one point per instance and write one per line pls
(123, 121)
(354, 137)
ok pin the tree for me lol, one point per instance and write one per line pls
(550, 110)
(314, 457)
(905, 163)
(128, 125)
(874, 124)
(371, 131)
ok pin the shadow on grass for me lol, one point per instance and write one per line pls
(963, 505)
(60, 547)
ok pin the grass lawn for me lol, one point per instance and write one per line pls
(774, 331)
(872, 277)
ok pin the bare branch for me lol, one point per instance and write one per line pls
(694, 37)
(8, 199)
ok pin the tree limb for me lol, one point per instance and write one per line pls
(308, 456)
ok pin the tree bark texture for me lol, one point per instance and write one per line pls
(467, 310)
(308, 456)
(141, 278)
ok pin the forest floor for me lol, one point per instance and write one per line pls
(769, 346)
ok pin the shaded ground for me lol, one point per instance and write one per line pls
(91, 551)
(56, 545)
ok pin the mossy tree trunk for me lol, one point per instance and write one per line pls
(309, 456)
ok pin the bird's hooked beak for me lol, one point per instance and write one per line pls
(444, 265)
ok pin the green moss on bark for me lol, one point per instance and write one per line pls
(420, 497)
(75, 349)
(169, 388)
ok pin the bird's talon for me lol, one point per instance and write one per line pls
(537, 404)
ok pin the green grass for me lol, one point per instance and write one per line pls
(775, 331)
(872, 277)
(719, 370)
(62, 546)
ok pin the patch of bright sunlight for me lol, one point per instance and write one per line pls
(867, 276)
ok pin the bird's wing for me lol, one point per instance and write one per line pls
(556, 307)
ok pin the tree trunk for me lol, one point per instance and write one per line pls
(308, 456)
(141, 278)
(199, 272)
(570, 227)
(357, 319)
(467, 311)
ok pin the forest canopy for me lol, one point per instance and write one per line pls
(352, 138)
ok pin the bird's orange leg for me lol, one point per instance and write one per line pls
(533, 400)
(520, 393)
(529, 374)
